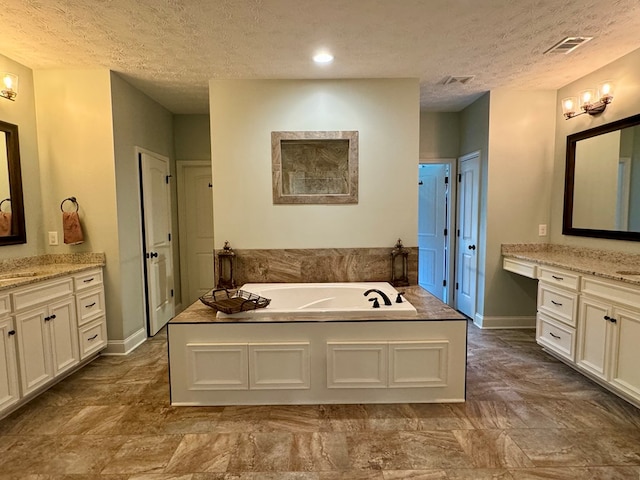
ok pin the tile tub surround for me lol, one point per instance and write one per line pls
(316, 265)
(600, 263)
(46, 267)
(527, 416)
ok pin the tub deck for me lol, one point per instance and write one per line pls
(398, 357)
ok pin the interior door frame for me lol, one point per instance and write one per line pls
(450, 221)
(182, 234)
(143, 260)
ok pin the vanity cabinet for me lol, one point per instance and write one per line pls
(590, 322)
(608, 333)
(9, 387)
(557, 311)
(47, 332)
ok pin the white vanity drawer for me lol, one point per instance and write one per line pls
(557, 303)
(85, 280)
(93, 337)
(520, 267)
(89, 305)
(41, 293)
(555, 336)
(559, 278)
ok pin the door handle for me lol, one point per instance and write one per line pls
(472, 247)
(152, 255)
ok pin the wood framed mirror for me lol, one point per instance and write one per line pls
(12, 223)
(602, 181)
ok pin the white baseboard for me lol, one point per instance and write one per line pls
(126, 346)
(504, 322)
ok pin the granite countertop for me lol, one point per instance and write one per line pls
(428, 308)
(18, 272)
(621, 266)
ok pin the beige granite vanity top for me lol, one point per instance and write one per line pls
(428, 307)
(600, 263)
(17, 272)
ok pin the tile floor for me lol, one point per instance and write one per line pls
(527, 416)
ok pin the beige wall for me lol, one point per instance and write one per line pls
(518, 182)
(192, 137)
(625, 73)
(75, 138)
(22, 112)
(439, 135)
(243, 115)
(138, 121)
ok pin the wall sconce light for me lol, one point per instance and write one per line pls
(588, 102)
(9, 86)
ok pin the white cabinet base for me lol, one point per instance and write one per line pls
(317, 362)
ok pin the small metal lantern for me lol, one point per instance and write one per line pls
(399, 265)
(226, 262)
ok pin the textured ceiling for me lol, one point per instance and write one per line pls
(169, 49)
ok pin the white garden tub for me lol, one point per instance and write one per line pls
(322, 298)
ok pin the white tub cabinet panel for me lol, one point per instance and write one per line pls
(349, 362)
(9, 386)
(418, 364)
(217, 366)
(356, 365)
(279, 366)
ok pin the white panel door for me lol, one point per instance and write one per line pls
(34, 349)
(432, 223)
(195, 197)
(9, 389)
(467, 234)
(625, 373)
(593, 336)
(64, 335)
(156, 199)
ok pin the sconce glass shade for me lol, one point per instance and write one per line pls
(605, 92)
(587, 98)
(9, 86)
(569, 106)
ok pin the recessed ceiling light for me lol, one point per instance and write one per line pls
(323, 58)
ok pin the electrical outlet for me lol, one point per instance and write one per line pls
(53, 238)
(542, 230)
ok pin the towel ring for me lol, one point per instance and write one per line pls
(70, 199)
(2, 203)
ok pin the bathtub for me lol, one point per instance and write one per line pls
(323, 298)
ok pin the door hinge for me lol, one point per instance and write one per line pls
(446, 180)
(456, 285)
(167, 177)
(459, 177)
(444, 283)
(446, 232)
(458, 232)
(169, 236)
(172, 292)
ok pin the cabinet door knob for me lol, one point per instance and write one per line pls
(11, 332)
(46, 319)
(610, 319)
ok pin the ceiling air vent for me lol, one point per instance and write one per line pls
(568, 44)
(463, 79)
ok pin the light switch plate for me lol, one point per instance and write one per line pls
(53, 238)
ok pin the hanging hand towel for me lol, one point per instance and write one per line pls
(72, 228)
(5, 224)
